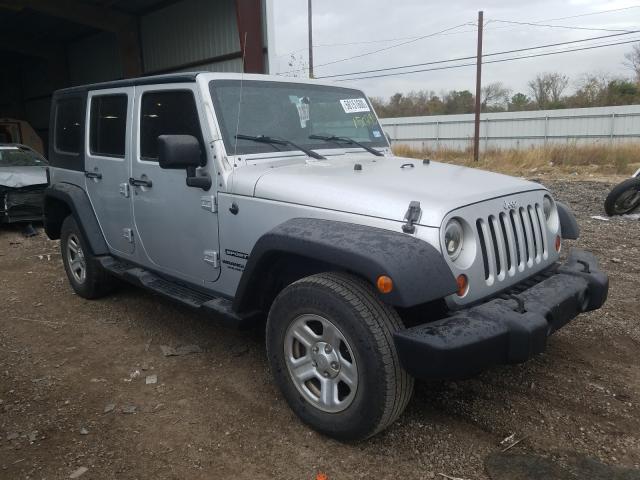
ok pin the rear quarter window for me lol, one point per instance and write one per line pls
(68, 125)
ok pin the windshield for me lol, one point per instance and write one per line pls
(293, 111)
(14, 157)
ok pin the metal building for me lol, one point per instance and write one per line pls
(518, 129)
(46, 45)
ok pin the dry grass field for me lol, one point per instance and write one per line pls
(558, 160)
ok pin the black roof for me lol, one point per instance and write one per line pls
(129, 82)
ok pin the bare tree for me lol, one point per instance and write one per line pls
(547, 88)
(298, 66)
(632, 61)
(495, 95)
(590, 89)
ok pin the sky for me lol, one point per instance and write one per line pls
(347, 28)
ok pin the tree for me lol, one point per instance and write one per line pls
(633, 61)
(622, 92)
(519, 102)
(298, 66)
(547, 89)
(458, 102)
(494, 97)
(591, 91)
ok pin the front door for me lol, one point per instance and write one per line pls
(176, 225)
(107, 164)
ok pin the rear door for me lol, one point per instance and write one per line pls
(107, 164)
(177, 225)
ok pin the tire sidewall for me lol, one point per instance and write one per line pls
(615, 193)
(361, 417)
(70, 226)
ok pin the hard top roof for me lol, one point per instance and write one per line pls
(129, 82)
(191, 77)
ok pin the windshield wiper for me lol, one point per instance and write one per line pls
(335, 139)
(279, 141)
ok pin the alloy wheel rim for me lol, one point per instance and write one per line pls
(627, 201)
(321, 363)
(76, 259)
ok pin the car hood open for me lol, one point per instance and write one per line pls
(385, 186)
(19, 177)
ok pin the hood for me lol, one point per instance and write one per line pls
(18, 177)
(383, 188)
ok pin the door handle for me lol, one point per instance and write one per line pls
(97, 175)
(139, 182)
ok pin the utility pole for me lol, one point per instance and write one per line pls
(476, 132)
(310, 40)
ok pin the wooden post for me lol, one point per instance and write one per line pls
(310, 39)
(476, 134)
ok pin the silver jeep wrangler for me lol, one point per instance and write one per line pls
(263, 199)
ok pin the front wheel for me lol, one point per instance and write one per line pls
(623, 198)
(331, 352)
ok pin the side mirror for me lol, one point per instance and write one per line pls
(178, 152)
(183, 151)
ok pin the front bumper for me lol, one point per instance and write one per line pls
(22, 205)
(505, 330)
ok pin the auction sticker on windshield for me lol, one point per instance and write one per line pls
(355, 105)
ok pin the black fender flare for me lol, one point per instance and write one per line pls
(418, 271)
(568, 224)
(76, 199)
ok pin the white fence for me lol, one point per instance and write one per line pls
(518, 129)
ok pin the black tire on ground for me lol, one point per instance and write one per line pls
(349, 303)
(97, 282)
(613, 206)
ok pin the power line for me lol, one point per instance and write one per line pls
(558, 26)
(417, 37)
(380, 49)
(492, 61)
(588, 14)
(435, 62)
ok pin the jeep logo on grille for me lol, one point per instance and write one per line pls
(510, 205)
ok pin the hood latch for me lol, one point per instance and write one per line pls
(412, 216)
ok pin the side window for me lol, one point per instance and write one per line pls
(107, 133)
(69, 125)
(166, 113)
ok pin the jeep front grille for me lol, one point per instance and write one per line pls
(512, 241)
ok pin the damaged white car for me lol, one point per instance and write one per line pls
(23, 178)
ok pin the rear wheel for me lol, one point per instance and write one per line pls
(86, 276)
(623, 198)
(331, 352)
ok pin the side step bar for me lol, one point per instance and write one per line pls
(219, 306)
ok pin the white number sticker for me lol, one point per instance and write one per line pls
(355, 105)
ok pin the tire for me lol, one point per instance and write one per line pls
(93, 281)
(363, 348)
(621, 199)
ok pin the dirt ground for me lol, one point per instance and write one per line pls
(73, 389)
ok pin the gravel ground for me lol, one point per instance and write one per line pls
(73, 389)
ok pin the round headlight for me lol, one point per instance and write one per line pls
(453, 238)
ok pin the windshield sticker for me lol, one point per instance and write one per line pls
(376, 133)
(355, 105)
(302, 104)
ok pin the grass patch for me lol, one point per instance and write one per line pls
(587, 160)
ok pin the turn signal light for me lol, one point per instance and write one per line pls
(384, 284)
(463, 285)
(558, 243)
